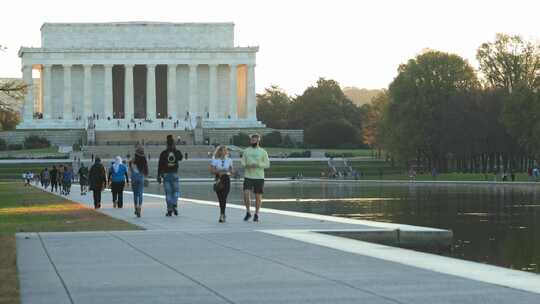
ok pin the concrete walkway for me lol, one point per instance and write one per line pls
(194, 259)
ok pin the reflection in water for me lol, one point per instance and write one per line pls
(495, 224)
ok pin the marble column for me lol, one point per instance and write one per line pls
(29, 98)
(87, 91)
(251, 98)
(233, 97)
(47, 87)
(108, 96)
(171, 91)
(212, 91)
(193, 94)
(68, 107)
(151, 91)
(128, 92)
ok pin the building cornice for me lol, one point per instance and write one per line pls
(249, 49)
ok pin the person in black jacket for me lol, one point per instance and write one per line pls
(168, 170)
(97, 181)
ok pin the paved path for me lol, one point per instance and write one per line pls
(194, 259)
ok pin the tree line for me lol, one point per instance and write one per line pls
(439, 112)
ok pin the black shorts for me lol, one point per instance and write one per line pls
(255, 185)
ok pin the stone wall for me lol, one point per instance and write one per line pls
(56, 137)
(115, 137)
(224, 136)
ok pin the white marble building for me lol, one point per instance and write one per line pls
(153, 75)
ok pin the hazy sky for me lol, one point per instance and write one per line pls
(358, 43)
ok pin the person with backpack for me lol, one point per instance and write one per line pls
(138, 167)
(168, 171)
(97, 181)
(118, 178)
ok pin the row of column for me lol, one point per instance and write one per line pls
(150, 91)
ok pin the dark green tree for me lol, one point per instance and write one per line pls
(273, 108)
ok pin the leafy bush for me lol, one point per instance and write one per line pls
(3, 144)
(338, 154)
(240, 139)
(272, 139)
(306, 153)
(36, 142)
(15, 147)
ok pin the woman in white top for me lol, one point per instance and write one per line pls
(222, 167)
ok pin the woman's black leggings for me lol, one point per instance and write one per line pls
(222, 194)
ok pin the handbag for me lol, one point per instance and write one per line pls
(218, 185)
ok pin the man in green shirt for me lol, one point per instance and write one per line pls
(254, 160)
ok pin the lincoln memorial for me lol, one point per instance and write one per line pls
(144, 75)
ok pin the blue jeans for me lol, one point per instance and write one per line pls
(172, 190)
(137, 183)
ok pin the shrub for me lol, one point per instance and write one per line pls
(338, 154)
(36, 142)
(306, 153)
(272, 139)
(15, 147)
(240, 139)
(3, 144)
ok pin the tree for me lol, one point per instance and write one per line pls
(332, 133)
(324, 102)
(510, 61)
(9, 119)
(372, 119)
(420, 97)
(521, 116)
(273, 107)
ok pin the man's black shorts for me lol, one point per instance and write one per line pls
(253, 184)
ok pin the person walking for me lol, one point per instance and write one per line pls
(97, 180)
(221, 167)
(60, 179)
(118, 178)
(83, 178)
(138, 168)
(168, 170)
(255, 161)
(46, 178)
(54, 179)
(67, 178)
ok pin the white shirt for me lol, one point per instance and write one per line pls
(222, 164)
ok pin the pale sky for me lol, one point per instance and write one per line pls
(358, 43)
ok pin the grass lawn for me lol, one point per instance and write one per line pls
(10, 172)
(354, 152)
(51, 151)
(27, 209)
(370, 169)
